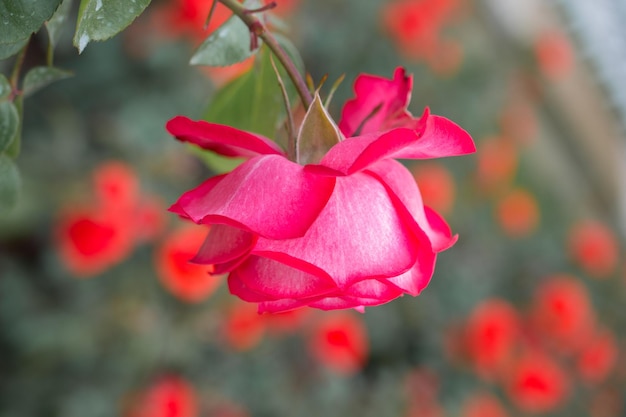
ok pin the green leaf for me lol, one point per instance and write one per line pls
(20, 18)
(253, 101)
(10, 49)
(9, 122)
(5, 87)
(101, 19)
(59, 21)
(39, 77)
(14, 148)
(318, 133)
(229, 44)
(9, 183)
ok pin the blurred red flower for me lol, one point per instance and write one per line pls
(554, 54)
(187, 281)
(437, 186)
(170, 396)
(594, 247)
(91, 240)
(116, 187)
(339, 341)
(483, 405)
(417, 26)
(598, 357)
(517, 213)
(492, 332)
(562, 313)
(537, 384)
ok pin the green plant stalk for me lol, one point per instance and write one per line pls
(257, 28)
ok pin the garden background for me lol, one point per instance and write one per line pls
(524, 315)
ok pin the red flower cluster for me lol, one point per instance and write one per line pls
(101, 233)
(526, 353)
(417, 26)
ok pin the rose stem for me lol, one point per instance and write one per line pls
(257, 28)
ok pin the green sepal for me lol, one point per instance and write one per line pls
(318, 133)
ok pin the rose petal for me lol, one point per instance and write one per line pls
(357, 235)
(277, 280)
(401, 183)
(188, 197)
(221, 139)
(268, 195)
(224, 244)
(415, 279)
(237, 287)
(431, 137)
(380, 103)
(374, 289)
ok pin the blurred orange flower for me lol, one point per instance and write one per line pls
(436, 184)
(189, 282)
(517, 213)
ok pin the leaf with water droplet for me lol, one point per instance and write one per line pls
(39, 77)
(99, 20)
(20, 18)
(9, 122)
(9, 184)
(318, 133)
(228, 44)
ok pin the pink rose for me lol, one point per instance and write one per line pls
(348, 230)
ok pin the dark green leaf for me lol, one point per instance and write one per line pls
(58, 21)
(40, 77)
(9, 183)
(317, 135)
(228, 45)
(101, 19)
(20, 18)
(9, 122)
(5, 87)
(10, 49)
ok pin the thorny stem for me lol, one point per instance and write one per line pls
(258, 29)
